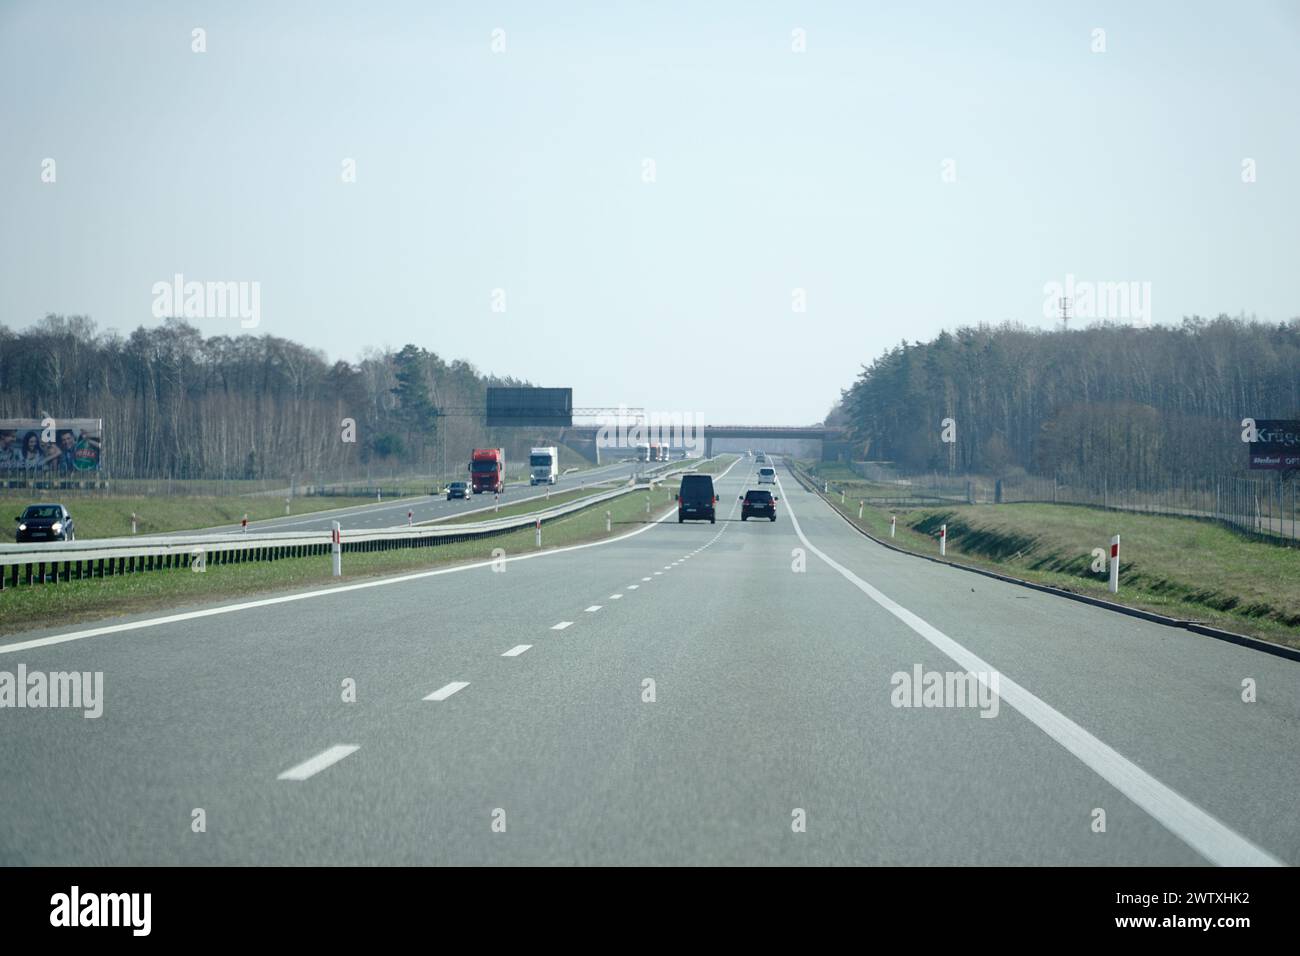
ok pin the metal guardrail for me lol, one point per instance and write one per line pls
(56, 562)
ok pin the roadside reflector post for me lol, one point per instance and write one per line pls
(496, 504)
(336, 546)
(826, 487)
(286, 505)
(244, 523)
(410, 518)
(647, 504)
(609, 524)
(133, 522)
(1114, 565)
(548, 492)
(861, 505)
(539, 532)
(379, 494)
(892, 521)
(943, 539)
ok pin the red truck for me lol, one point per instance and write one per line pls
(487, 470)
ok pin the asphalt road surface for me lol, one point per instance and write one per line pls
(507, 717)
(388, 514)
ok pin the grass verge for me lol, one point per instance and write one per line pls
(1179, 567)
(76, 602)
(110, 516)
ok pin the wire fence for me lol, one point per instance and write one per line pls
(1265, 506)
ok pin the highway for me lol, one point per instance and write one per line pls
(388, 514)
(504, 718)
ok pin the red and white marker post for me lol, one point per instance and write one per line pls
(1114, 565)
(410, 518)
(336, 546)
(893, 520)
(244, 524)
(539, 532)
(943, 539)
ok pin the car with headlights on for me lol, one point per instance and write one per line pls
(48, 522)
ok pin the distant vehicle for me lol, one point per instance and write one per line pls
(50, 522)
(457, 489)
(758, 504)
(544, 466)
(696, 499)
(767, 476)
(663, 452)
(643, 452)
(760, 458)
(487, 470)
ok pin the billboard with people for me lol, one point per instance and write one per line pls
(69, 447)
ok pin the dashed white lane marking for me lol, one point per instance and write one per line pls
(645, 579)
(19, 646)
(442, 693)
(561, 626)
(593, 608)
(309, 768)
(615, 597)
(1204, 833)
(658, 574)
(516, 650)
(633, 587)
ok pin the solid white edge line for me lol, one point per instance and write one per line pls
(442, 693)
(313, 766)
(304, 596)
(1203, 832)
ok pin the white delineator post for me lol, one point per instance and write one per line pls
(409, 519)
(496, 505)
(133, 522)
(336, 546)
(539, 532)
(892, 521)
(943, 539)
(244, 524)
(1114, 565)
(608, 523)
(861, 505)
(286, 505)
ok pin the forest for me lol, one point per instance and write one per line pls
(1135, 406)
(176, 404)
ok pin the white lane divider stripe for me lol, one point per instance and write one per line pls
(645, 579)
(442, 693)
(18, 646)
(562, 625)
(633, 587)
(1204, 833)
(516, 650)
(594, 608)
(326, 758)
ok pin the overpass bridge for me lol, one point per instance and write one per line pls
(832, 437)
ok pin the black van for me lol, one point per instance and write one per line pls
(696, 499)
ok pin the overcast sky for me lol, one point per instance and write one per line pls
(525, 170)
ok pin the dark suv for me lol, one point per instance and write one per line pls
(758, 504)
(696, 499)
(45, 523)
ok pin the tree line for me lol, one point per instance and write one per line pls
(177, 404)
(1135, 406)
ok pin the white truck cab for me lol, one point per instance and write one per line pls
(543, 466)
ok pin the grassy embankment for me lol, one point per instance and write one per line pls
(1179, 567)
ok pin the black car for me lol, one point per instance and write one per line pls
(758, 504)
(457, 489)
(696, 499)
(45, 523)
